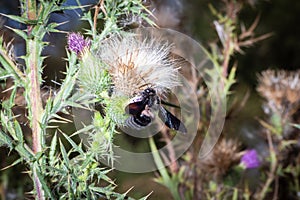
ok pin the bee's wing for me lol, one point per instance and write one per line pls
(170, 120)
(169, 104)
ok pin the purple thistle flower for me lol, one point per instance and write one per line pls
(250, 159)
(77, 43)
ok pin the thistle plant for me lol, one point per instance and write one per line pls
(227, 171)
(280, 129)
(60, 167)
(107, 67)
(211, 176)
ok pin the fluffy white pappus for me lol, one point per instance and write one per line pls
(136, 63)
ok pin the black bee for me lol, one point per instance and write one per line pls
(140, 110)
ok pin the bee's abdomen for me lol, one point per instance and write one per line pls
(138, 122)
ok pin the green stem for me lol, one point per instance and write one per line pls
(167, 181)
(35, 107)
(30, 13)
(31, 9)
(35, 97)
(35, 100)
(38, 186)
(228, 50)
(273, 169)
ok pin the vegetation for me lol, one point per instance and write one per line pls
(107, 66)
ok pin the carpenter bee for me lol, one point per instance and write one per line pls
(140, 108)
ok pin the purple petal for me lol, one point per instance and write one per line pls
(77, 43)
(250, 159)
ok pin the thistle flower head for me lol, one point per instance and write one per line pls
(77, 43)
(250, 159)
(281, 90)
(136, 63)
(224, 155)
(93, 76)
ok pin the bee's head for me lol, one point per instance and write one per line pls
(149, 92)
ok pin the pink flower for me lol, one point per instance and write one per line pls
(250, 159)
(77, 43)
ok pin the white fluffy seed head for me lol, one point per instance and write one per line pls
(136, 63)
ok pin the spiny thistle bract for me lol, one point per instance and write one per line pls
(93, 76)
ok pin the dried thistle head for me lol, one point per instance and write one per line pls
(281, 90)
(224, 155)
(135, 63)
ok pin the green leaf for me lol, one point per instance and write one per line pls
(13, 164)
(158, 161)
(9, 65)
(60, 119)
(52, 27)
(72, 7)
(83, 130)
(19, 32)
(52, 157)
(6, 75)
(46, 188)
(101, 175)
(296, 126)
(269, 127)
(87, 161)
(25, 152)
(73, 144)
(5, 140)
(8, 126)
(146, 197)
(19, 132)
(64, 155)
(230, 80)
(235, 194)
(22, 20)
(166, 179)
(107, 191)
(55, 170)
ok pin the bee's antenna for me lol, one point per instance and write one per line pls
(149, 85)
